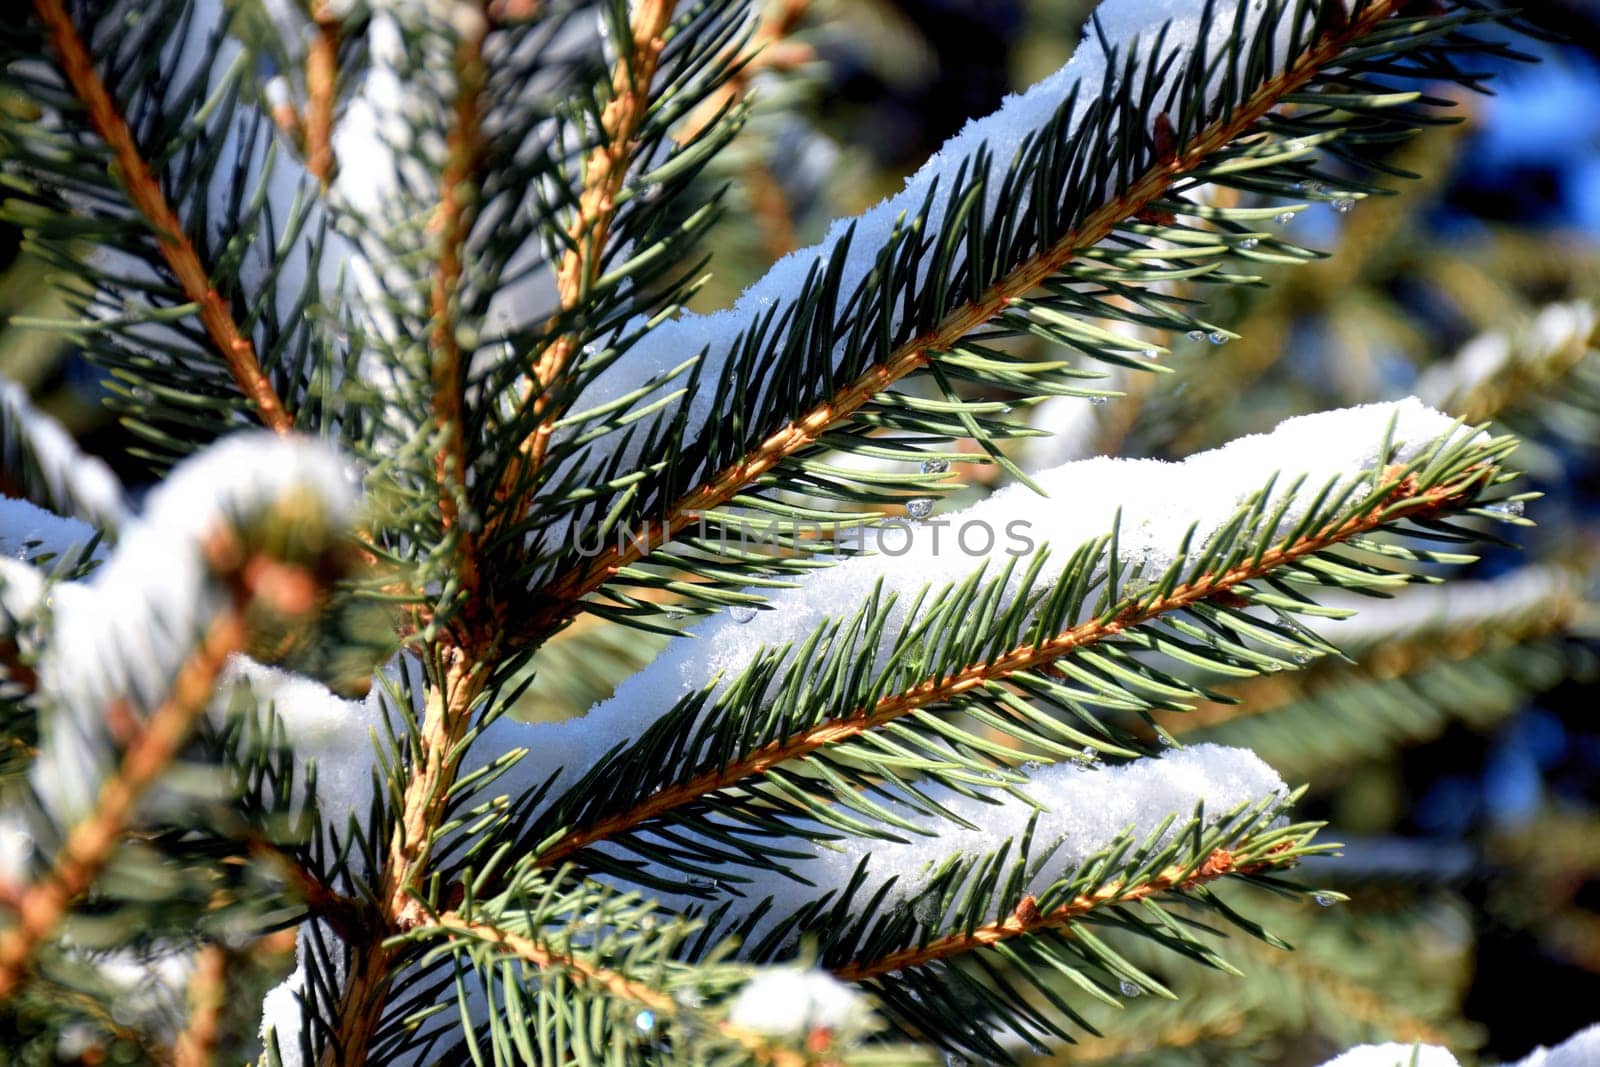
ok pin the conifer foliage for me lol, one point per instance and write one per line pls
(393, 296)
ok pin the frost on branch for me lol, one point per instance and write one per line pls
(1525, 594)
(1497, 364)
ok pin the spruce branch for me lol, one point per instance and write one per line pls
(451, 223)
(604, 172)
(557, 600)
(1414, 652)
(134, 173)
(1027, 919)
(89, 845)
(1351, 996)
(450, 703)
(1546, 360)
(1396, 498)
(255, 581)
(758, 1047)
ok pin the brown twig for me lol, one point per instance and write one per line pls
(1028, 919)
(975, 676)
(144, 190)
(322, 79)
(343, 914)
(451, 223)
(90, 843)
(427, 792)
(604, 173)
(558, 601)
(467, 652)
(208, 993)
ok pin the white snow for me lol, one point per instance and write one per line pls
(150, 986)
(125, 631)
(16, 850)
(1081, 809)
(372, 133)
(282, 1009)
(1394, 1054)
(1582, 1049)
(1087, 807)
(791, 1003)
(1158, 502)
(76, 484)
(335, 733)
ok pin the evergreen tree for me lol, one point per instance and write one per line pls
(393, 297)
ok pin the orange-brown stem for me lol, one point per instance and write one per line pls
(322, 78)
(1028, 919)
(445, 720)
(977, 675)
(604, 173)
(558, 601)
(467, 652)
(144, 190)
(452, 222)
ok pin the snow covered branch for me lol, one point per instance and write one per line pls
(89, 845)
(42, 462)
(1184, 534)
(127, 661)
(865, 341)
